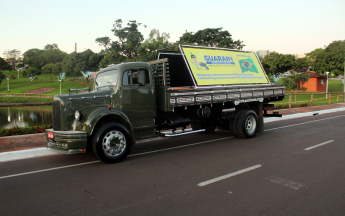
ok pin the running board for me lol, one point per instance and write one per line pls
(180, 134)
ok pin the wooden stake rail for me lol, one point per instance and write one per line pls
(312, 97)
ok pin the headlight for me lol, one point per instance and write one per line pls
(77, 115)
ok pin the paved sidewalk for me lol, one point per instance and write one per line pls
(309, 109)
(31, 141)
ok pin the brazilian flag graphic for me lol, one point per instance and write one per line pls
(248, 65)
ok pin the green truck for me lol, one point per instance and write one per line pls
(200, 87)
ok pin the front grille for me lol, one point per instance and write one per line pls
(56, 115)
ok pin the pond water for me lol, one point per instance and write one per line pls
(25, 116)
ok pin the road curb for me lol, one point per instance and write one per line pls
(21, 142)
(292, 116)
(22, 154)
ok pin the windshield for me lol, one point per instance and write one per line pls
(106, 79)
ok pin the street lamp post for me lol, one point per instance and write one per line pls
(8, 84)
(60, 86)
(327, 86)
(18, 74)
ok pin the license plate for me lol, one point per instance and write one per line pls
(50, 135)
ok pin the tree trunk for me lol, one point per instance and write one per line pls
(87, 80)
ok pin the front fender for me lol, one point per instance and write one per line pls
(90, 119)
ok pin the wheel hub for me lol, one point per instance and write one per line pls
(114, 143)
(250, 124)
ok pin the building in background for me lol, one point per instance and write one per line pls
(316, 83)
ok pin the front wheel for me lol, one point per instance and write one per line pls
(111, 143)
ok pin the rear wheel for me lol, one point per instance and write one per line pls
(111, 143)
(246, 124)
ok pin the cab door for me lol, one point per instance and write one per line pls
(138, 99)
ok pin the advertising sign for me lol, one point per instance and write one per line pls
(219, 67)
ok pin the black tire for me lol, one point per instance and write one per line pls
(233, 125)
(246, 124)
(111, 143)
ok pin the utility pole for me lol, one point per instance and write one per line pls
(76, 47)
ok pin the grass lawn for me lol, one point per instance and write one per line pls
(22, 85)
(333, 86)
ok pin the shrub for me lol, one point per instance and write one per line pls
(19, 131)
(13, 77)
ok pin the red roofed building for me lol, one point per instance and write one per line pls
(316, 83)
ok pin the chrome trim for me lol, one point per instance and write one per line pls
(66, 132)
(180, 134)
(229, 110)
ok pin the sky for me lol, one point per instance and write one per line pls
(289, 27)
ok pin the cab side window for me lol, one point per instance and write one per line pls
(145, 77)
(136, 76)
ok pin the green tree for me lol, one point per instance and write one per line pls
(52, 56)
(129, 37)
(113, 57)
(294, 81)
(31, 72)
(147, 50)
(48, 69)
(103, 41)
(57, 68)
(20, 65)
(2, 76)
(276, 63)
(38, 58)
(14, 56)
(73, 63)
(311, 57)
(51, 47)
(301, 65)
(331, 59)
(213, 37)
(4, 65)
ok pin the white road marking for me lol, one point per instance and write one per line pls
(304, 123)
(318, 145)
(45, 170)
(287, 183)
(81, 164)
(133, 155)
(228, 175)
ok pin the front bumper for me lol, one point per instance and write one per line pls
(68, 142)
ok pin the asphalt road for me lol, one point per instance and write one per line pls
(296, 167)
